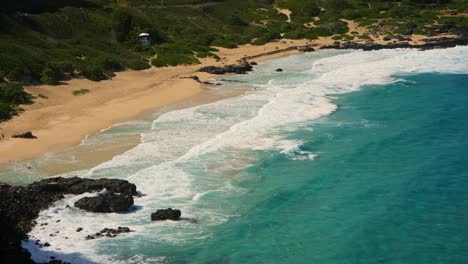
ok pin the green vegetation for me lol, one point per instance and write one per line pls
(59, 39)
(11, 95)
(50, 41)
(80, 92)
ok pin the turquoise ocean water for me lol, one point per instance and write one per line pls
(389, 185)
(345, 157)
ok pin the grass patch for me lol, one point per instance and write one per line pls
(80, 92)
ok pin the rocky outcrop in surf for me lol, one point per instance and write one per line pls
(166, 214)
(109, 232)
(106, 203)
(21, 205)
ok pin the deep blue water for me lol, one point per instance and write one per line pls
(389, 185)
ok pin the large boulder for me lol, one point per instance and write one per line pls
(166, 214)
(106, 203)
(77, 185)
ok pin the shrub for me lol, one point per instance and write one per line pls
(364, 36)
(266, 38)
(136, 64)
(172, 54)
(121, 24)
(337, 27)
(354, 13)
(337, 37)
(13, 93)
(206, 54)
(6, 111)
(99, 67)
(80, 92)
(93, 72)
(402, 11)
(51, 76)
(173, 59)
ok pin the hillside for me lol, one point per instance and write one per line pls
(46, 41)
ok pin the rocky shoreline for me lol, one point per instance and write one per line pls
(435, 43)
(20, 206)
(245, 66)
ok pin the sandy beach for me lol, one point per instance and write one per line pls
(62, 120)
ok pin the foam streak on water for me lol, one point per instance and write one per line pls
(192, 154)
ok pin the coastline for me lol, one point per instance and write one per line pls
(140, 184)
(63, 120)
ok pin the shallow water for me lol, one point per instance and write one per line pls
(278, 175)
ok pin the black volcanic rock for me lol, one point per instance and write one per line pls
(20, 206)
(28, 135)
(77, 185)
(166, 214)
(109, 232)
(106, 203)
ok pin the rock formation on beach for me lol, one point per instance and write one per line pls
(242, 68)
(28, 135)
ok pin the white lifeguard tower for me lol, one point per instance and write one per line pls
(145, 39)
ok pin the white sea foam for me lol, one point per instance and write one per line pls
(296, 153)
(189, 156)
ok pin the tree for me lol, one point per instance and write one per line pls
(336, 5)
(6, 111)
(50, 76)
(13, 93)
(121, 24)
